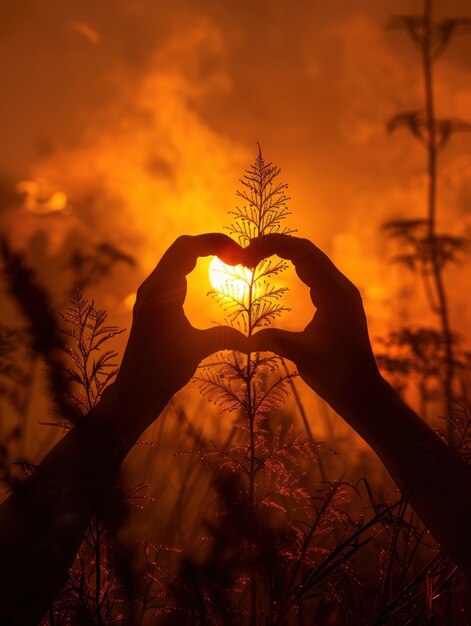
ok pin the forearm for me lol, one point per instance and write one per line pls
(43, 521)
(429, 473)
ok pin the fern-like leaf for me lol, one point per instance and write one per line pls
(93, 368)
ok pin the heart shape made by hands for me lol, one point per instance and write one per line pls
(230, 278)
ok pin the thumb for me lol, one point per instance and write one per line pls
(281, 342)
(221, 338)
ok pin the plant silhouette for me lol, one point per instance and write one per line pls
(424, 249)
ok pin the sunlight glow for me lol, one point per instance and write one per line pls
(224, 277)
(130, 300)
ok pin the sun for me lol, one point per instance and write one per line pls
(223, 277)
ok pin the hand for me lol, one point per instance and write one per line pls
(333, 354)
(164, 349)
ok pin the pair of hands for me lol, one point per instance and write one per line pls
(332, 354)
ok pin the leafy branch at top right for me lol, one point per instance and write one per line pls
(425, 249)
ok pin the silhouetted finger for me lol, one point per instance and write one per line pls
(167, 283)
(328, 285)
(180, 259)
(220, 338)
(281, 342)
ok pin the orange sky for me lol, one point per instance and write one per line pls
(145, 113)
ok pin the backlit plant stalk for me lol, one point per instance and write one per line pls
(427, 250)
(92, 585)
(428, 49)
(252, 384)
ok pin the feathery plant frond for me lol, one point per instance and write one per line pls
(93, 367)
(265, 202)
(251, 299)
(247, 297)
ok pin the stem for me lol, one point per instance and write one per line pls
(442, 309)
(386, 578)
(98, 573)
(251, 416)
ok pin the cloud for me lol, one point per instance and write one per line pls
(154, 169)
